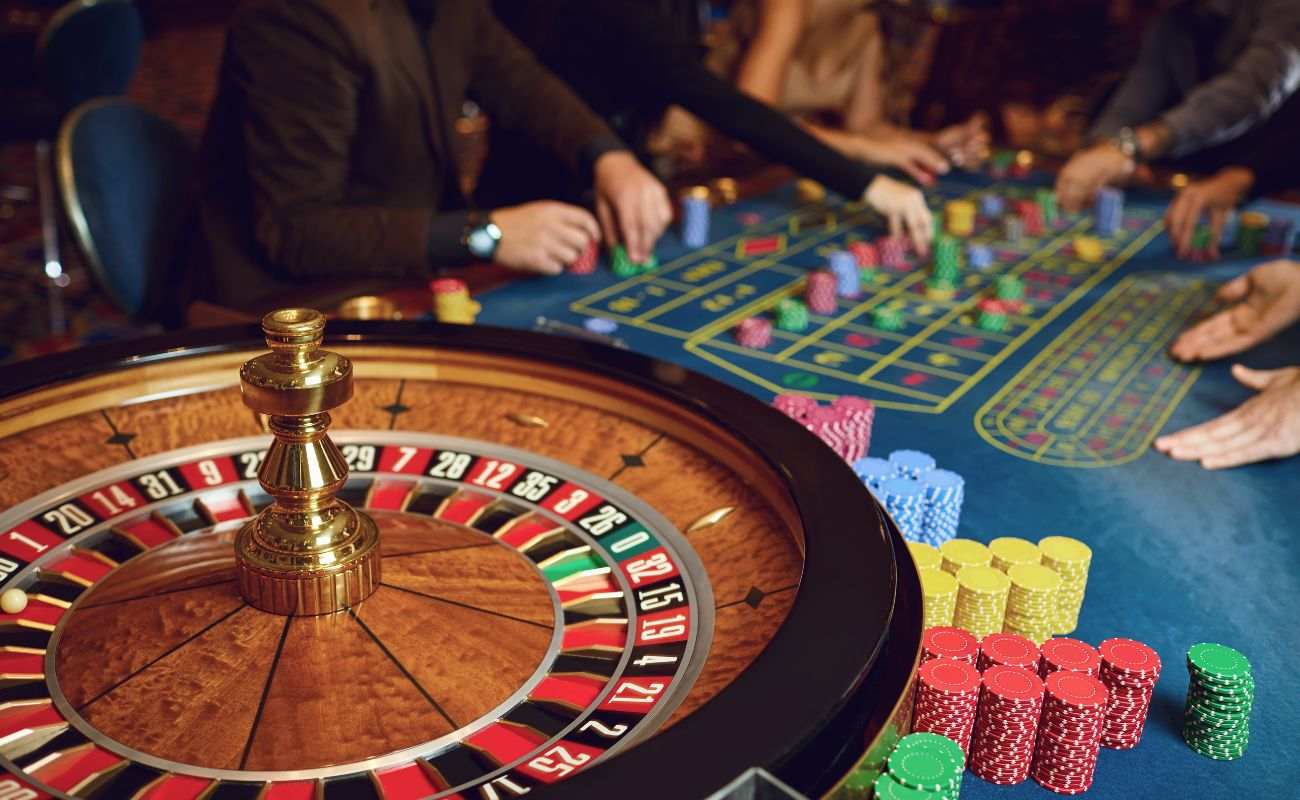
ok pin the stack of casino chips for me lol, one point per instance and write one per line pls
(887, 318)
(1069, 655)
(864, 253)
(844, 426)
(979, 256)
(911, 463)
(938, 598)
(1089, 248)
(1031, 216)
(695, 216)
(1033, 605)
(945, 641)
(1200, 245)
(1013, 230)
(755, 332)
(1279, 237)
(991, 205)
(792, 315)
(923, 765)
(844, 266)
(1069, 558)
(1220, 695)
(1109, 211)
(1008, 551)
(947, 699)
(1130, 670)
(961, 553)
(873, 472)
(1251, 226)
(1069, 733)
(1009, 288)
(944, 494)
(945, 272)
(622, 265)
(1046, 200)
(960, 216)
(821, 292)
(892, 251)
(795, 406)
(904, 499)
(452, 303)
(1008, 650)
(1000, 163)
(585, 264)
(927, 559)
(993, 315)
(981, 600)
(1011, 702)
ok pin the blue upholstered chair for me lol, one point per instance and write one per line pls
(126, 177)
(90, 49)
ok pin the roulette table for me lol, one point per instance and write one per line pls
(406, 561)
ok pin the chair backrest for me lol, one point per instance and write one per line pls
(127, 181)
(90, 48)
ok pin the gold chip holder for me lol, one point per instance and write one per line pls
(308, 552)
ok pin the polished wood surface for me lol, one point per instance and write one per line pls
(681, 466)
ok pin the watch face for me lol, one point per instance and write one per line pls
(482, 241)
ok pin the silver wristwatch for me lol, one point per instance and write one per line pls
(482, 239)
(1127, 141)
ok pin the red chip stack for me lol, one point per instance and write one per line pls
(954, 643)
(821, 292)
(1130, 670)
(1011, 701)
(755, 332)
(1070, 655)
(1031, 216)
(586, 262)
(1008, 650)
(1069, 735)
(892, 251)
(947, 697)
(865, 253)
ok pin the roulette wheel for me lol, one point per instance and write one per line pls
(407, 561)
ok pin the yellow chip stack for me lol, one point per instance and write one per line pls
(960, 216)
(925, 556)
(959, 553)
(1070, 559)
(982, 594)
(1089, 248)
(1032, 606)
(939, 591)
(1011, 550)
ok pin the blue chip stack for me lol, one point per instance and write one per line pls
(695, 217)
(1109, 211)
(873, 472)
(944, 492)
(1280, 238)
(979, 256)
(991, 205)
(904, 499)
(911, 463)
(848, 280)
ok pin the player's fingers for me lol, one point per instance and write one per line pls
(1185, 223)
(608, 231)
(1233, 290)
(1191, 444)
(574, 234)
(895, 223)
(922, 223)
(1258, 449)
(629, 225)
(1257, 379)
(581, 219)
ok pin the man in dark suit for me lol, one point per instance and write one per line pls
(330, 154)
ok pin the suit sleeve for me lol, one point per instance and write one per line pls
(301, 82)
(523, 95)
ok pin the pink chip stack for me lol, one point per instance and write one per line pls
(755, 332)
(821, 292)
(586, 261)
(1130, 671)
(865, 253)
(845, 425)
(893, 251)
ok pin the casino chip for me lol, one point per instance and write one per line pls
(949, 642)
(1070, 655)
(925, 556)
(1130, 670)
(1033, 602)
(929, 763)
(1070, 559)
(1011, 701)
(947, 699)
(904, 499)
(600, 325)
(960, 553)
(981, 599)
(939, 597)
(1069, 733)
(820, 292)
(944, 493)
(911, 463)
(873, 472)
(754, 332)
(1220, 697)
(1008, 650)
(1010, 550)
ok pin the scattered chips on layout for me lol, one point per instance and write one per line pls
(1069, 655)
(887, 318)
(924, 762)
(601, 325)
(1011, 701)
(947, 699)
(1130, 670)
(1220, 696)
(791, 315)
(1032, 606)
(864, 253)
(844, 266)
(960, 553)
(820, 292)
(1011, 550)
(946, 641)
(1070, 559)
(755, 332)
(939, 598)
(1069, 733)
(1089, 248)
(981, 599)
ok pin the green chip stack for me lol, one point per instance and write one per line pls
(1220, 694)
(1009, 287)
(1250, 232)
(791, 315)
(1200, 240)
(624, 267)
(947, 260)
(887, 319)
(868, 275)
(923, 765)
(1046, 200)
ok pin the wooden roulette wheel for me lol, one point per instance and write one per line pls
(572, 571)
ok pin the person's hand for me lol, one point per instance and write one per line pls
(632, 204)
(965, 144)
(543, 236)
(1087, 171)
(904, 206)
(1265, 426)
(911, 155)
(1264, 301)
(1216, 197)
